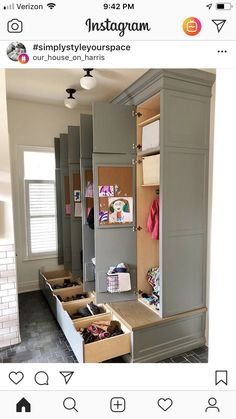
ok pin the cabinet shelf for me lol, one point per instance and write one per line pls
(151, 184)
(149, 120)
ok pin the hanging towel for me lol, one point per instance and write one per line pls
(89, 190)
(153, 219)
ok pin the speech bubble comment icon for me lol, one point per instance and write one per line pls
(41, 378)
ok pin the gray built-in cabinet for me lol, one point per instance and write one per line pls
(60, 253)
(69, 226)
(183, 101)
(184, 147)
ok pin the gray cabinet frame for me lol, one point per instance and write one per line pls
(184, 143)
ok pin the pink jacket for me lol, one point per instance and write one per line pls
(153, 219)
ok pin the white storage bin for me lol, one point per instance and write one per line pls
(150, 136)
(151, 170)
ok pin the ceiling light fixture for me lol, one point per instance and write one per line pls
(88, 82)
(70, 102)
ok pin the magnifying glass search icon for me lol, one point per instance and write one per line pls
(70, 404)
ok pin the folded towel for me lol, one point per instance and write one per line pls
(124, 281)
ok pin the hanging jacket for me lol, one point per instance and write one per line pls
(153, 219)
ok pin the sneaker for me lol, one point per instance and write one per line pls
(93, 309)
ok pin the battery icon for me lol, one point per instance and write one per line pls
(224, 6)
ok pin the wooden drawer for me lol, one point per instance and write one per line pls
(57, 274)
(69, 292)
(48, 294)
(72, 306)
(92, 352)
(60, 281)
(104, 349)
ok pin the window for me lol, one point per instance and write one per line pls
(40, 204)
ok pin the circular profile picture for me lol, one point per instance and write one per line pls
(14, 50)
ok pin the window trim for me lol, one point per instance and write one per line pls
(22, 202)
(31, 255)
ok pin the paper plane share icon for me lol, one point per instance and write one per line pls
(219, 23)
(66, 375)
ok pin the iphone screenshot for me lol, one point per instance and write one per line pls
(117, 209)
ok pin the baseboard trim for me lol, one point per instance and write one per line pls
(29, 287)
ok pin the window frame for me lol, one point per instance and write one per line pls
(26, 254)
(27, 182)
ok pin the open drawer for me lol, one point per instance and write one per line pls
(57, 274)
(60, 281)
(69, 292)
(73, 306)
(104, 349)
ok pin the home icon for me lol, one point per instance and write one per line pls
(23, 406)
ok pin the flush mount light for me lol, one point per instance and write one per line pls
(88, 82)
(70, 102)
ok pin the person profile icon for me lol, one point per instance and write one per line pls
(212, 404)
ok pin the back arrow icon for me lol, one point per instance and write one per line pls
(219, 23)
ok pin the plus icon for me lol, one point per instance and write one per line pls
(117, 404)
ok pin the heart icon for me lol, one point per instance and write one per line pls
(165, 404)
(16, 377)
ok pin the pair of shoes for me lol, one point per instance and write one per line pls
(84, 311)
(93, 309)
(90, 310)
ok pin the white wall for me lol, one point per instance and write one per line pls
(9, 316)
(6, 225)
(33, 124)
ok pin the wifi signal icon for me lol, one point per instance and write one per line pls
(51, 5)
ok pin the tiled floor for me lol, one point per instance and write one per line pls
(43, 340)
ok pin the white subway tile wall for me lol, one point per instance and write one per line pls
(9, 321)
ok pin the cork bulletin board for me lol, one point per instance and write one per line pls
(88, 190)
(115, 191)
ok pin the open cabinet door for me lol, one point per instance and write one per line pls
(87, 230)
(114, 221)
(86, 151)
(114, 128)
(66, 204)
(114, 198)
